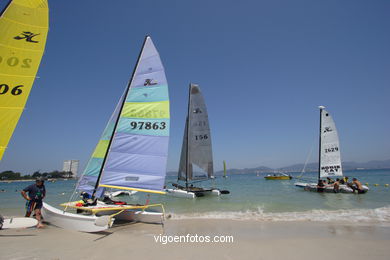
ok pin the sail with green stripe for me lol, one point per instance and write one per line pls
(88, 180)
(132, 154)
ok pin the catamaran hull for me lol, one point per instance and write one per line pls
(148, 217)
(191, 195)
(119, 193)
(72, 221)
(342, 189)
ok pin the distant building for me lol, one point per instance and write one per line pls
(71, 166)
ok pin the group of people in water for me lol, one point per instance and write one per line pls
(355, 185)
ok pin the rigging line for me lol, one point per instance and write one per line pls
(307, 159)
(73, 193)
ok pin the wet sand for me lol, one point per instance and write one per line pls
(251, 240)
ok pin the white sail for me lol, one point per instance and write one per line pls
(330, 160)
(196, 148)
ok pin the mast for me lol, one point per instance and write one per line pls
(224, 169)
(188, 130)
(319, 146)
(117, 119)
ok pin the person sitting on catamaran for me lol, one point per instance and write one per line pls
(357, 186)
(36, 193)
(330, 181)
(320, 186)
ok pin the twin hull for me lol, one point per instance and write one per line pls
(313, 187)
(191, 195)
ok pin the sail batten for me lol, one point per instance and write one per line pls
(330, 159)
(24, 29)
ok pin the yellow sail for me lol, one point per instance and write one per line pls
(24, 27)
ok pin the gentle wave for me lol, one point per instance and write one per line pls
(381, 215)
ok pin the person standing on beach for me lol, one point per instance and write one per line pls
(36, 193)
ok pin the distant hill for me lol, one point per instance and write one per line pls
(256, 170)
(346, 166)
(310, 167)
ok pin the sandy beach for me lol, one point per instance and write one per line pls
(252, 240)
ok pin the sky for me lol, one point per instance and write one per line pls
(264, 67)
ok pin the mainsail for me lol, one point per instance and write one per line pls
(330, 160)
(196, 149)
(133, 150)
(24, 27)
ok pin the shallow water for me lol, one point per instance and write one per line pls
(251, 197)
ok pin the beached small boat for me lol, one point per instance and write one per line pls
(280, 176)
(24, 28)
(131, 154)
(329, 157)
(196, 151)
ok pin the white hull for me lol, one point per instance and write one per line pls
(149, 217)
(119, 193)
(19, 223)
(313, 187)
(72, 221)
(190, 195)
(180, 193)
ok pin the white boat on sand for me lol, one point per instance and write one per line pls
(130, 155)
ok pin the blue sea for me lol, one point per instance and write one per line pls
(251, 198)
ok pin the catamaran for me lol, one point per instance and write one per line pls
(196, 151)
(224, 170)
(130, 155)
(329, 156)
(24, 28)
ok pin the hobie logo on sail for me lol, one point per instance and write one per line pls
(28, 36)
(328, 129)
(149, 82)
(197, 111)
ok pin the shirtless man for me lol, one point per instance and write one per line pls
(357, 185)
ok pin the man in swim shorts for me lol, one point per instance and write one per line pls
(36, 193)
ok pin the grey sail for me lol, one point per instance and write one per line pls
(196, 149)
(330, 159)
